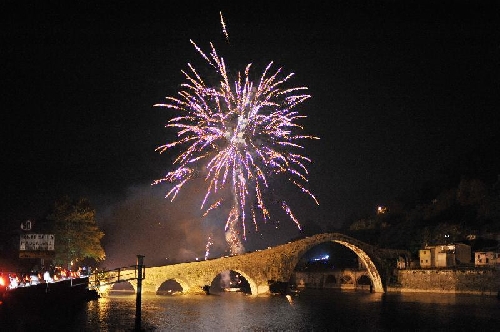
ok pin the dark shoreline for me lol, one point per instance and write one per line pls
(65, 292)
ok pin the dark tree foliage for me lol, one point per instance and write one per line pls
(77, 235)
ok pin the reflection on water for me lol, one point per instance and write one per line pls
(311, 310)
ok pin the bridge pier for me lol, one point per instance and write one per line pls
(262, 289)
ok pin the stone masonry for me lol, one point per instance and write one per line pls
(274, 264)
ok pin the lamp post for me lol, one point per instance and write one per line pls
(140, 266)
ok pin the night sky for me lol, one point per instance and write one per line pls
(399, 91)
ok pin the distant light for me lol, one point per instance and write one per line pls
(322, 258)
(381, 210)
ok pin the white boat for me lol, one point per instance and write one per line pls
(232, 289)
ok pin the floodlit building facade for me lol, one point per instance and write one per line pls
(486, 259)
(445, 255)
(426, 257)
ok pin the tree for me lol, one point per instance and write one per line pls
(77, 235)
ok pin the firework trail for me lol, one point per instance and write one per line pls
(207, 247)
(237, 134)
(223, 24)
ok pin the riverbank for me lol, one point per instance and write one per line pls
(455, 281)
(442, 291)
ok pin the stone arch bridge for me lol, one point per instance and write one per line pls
(276, 264)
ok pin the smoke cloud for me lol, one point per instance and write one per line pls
(144, 222)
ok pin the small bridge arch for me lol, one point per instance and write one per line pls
(181, 283)
(248, 279)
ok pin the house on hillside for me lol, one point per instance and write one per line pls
(486, 259)
(445, 255)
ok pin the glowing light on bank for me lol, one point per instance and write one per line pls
(322, 258)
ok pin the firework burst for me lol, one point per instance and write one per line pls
(237, 133)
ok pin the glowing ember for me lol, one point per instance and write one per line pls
(237, 134)
(207, 247)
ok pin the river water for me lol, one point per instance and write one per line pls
(311, 310)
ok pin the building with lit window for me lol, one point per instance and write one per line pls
(486, 259)
(445, 255)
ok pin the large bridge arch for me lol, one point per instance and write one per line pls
(358, 247)
(367, 262)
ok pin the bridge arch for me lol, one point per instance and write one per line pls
(368, 263)
(183, 284)
(153, 286)
(347, 278)
(363, 280)
(251, 282)
(123, 286)
(358, 247)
